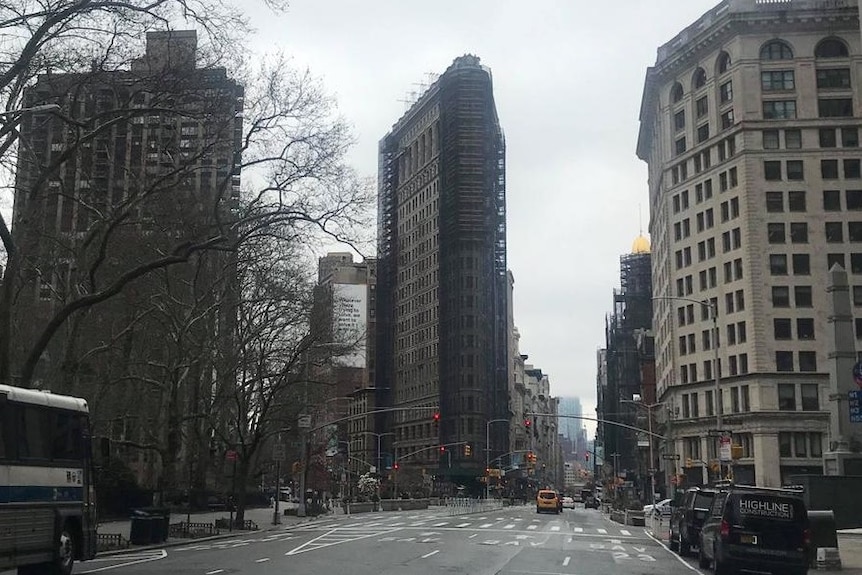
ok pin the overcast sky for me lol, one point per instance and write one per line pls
(568, 77)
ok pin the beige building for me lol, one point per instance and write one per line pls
(750, 127)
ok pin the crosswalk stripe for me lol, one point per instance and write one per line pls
(625, 532)
(579, 529)
(509, 526)
(602, 531)
(532, 526)
(462, 525)
(441, 524)
(555, 527)
(485, 525)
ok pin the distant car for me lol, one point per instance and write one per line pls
(568, 502)
(548, 500)
(591, 503)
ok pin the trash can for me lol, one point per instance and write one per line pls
(824, 540)
(150, 525)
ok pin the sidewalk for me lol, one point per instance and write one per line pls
(851, 553)
(262, 516)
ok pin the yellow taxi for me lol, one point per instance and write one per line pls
(547, 500)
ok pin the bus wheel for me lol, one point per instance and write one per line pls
(65, 553)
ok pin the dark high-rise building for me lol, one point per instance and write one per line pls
(139, 162)
(442, 283)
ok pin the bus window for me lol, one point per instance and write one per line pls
(33, 429)
(3, 425)
(66, 436)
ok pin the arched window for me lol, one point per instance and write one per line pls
(831, 48)
(723, 62)
(676, 93)
(698, 80)
(776, 50)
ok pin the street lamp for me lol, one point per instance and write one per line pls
(649, 407)
(713, 309)
(488, 451)
(32, 110)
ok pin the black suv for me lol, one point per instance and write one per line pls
(688, 517)
(756, 528)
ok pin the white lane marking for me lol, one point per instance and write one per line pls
(482, 518)
(509, 526)
(678, 558)
(418, 524)
(441, 524)
(215, 572)
(569, 540)
(625, 532)
(462, 525)
(427, 555)
(532, 526)
(579, 529)
(566, 561)
(239, 545)
(555, 527)
(485, 525)
(262, 560)
(396, 524)
(535, 521)
(602, 531)
(473, 535)
(161, 554)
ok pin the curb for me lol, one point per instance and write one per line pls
(191, 541)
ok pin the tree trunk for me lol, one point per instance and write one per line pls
(240, 481)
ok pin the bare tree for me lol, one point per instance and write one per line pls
(289, 146)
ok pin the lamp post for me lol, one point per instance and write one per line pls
(488, 451)
(649, 407)
(31, 110)
(713, 309)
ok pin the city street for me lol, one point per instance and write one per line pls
(510, 541)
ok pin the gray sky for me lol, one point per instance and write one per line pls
(568, 77)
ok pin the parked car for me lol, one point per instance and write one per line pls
(688, 517)
(657, 509)
(756, 528)
(568, 502)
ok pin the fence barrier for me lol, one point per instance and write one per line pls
(465, 505)
(109, 541)
(192, 530)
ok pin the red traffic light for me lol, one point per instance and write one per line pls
(587, 456)
(437, 417)
(395, 467)
(527, 423)
(442, 449)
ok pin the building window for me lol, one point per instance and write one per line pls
(784, 444)
(793, 139)
(832, 259)
(807, 361)
(775, 233)
(774, 202)
(803, 296)
(743, 391)
(815, 440)
(679, 120)
(770, 140)
(778, 264)
(801, 264)
(777, 80)
(772, 170)
(852, 169)
(781, 329)
(698, 79)
(796, 201)
(786, 397)
(727, 119)
(784, 361)
(831, 48)
(810, 399)
(831, 200)
(829, 169)
(827, 138)
(776, 50)
(676, 93)
(850, 137)
(723, 62)
(834, 232)
(779, 109)
(853, 199)
(856, 263)
(799, 233)
(702, 133)
(701, 107)
(854, 231)
(725, 92)
(780, 296)
(833, 78)
(741, 334)
(857, 296)
(804, 328)
(680, 146)
(795, 170)
(835, 107)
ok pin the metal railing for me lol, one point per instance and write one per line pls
(192, 530)
(109, 541)
(465, 505)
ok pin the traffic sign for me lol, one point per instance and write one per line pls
(857, 373)
(669, 457)
(304, 421)
(279, 452)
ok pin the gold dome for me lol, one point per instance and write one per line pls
(640, 245)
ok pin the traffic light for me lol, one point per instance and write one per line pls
(442, 449)
(468, 451)
(587, 456)
(395, 466)
(436, 417)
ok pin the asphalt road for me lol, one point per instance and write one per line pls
(512, 541)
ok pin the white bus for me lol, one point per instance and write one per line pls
(47, 504)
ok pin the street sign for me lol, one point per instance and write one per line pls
(304, 421)
(854, 400)
(230, 455)
(668, 457)
(857, 373)
(725, 449)
(279, 452)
